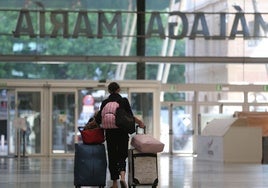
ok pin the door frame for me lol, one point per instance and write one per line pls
(31, 89)
(50, 112)
(154, 89)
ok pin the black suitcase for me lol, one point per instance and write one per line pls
(90, 165)
(142, 169)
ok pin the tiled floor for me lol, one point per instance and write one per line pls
(174, 172)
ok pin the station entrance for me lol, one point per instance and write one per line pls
(40, 118)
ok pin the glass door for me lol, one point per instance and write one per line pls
(177, 128)
(20, 115)
(142, 107)
(29, 110)
(71, 108)
(177, 120)
(63, 121)
(145, 104)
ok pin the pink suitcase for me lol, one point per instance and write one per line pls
(146, 143)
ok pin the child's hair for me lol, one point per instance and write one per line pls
(113, 87)
(90, 120)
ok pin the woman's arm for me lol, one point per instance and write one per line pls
(128, 109)
(139, 122)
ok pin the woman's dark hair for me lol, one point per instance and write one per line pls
(113, 87)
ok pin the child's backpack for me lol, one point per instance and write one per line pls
(108, 115)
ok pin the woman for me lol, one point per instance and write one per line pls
(117, 139)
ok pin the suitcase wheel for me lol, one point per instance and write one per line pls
(155, 183)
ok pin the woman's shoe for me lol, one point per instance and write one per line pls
(123, 184)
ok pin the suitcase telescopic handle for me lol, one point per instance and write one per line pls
(137, 129)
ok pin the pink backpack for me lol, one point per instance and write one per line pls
(108, 115)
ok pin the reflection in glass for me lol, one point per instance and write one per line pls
(63, 122)
(89, 101)
(258, 97)
(219, 96)
(182, 129)
(29, 108)
(142, 107)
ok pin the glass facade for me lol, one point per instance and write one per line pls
(180, 43)
(184, 41)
